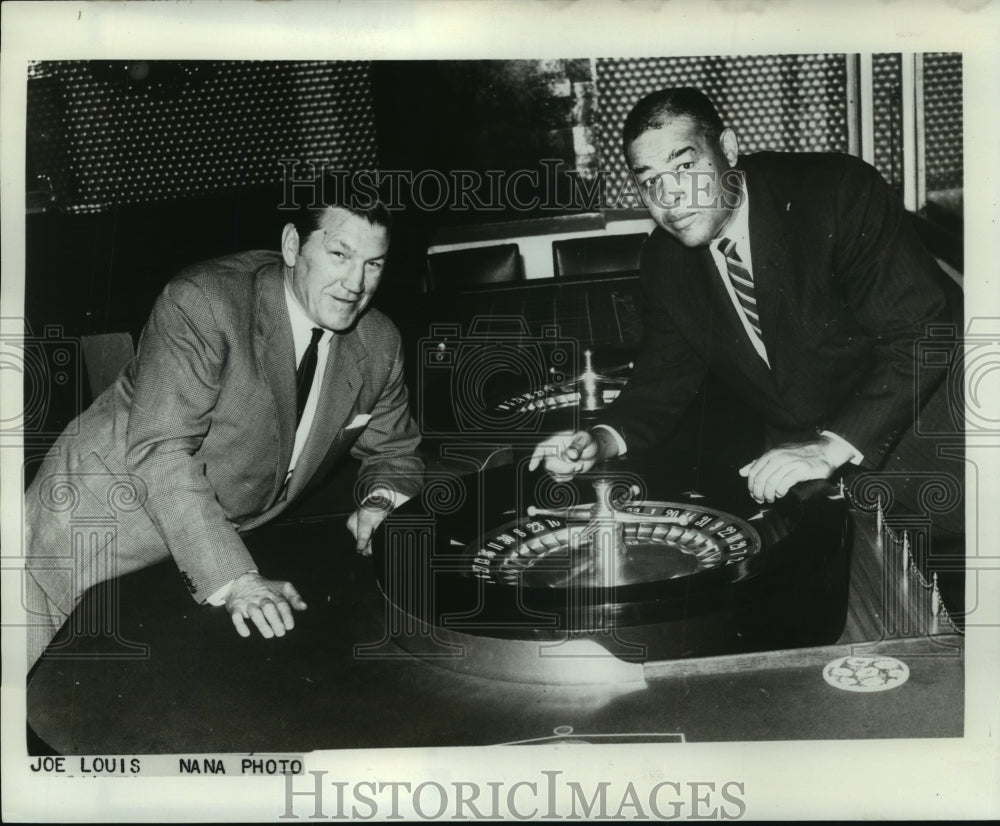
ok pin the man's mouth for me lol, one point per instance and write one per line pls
(683, 221)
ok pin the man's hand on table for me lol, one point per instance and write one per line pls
(566, 454)
(268, 603)
(365, 520)
(772, 475)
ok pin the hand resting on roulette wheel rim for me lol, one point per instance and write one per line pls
(772, 475)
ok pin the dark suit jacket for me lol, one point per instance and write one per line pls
(845, 290)
(191, 445)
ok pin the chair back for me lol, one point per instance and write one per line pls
(104, 356)
(597, 254)
(474, 267)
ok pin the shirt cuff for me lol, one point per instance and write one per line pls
(382, 493)
(857, 457)
(219, 597)
(619, 441)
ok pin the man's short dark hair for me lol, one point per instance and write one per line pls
(654, 110)
(342, 191)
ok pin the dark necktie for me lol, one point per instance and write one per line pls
(305, 373)
(742, 281)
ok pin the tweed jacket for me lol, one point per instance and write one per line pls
(199, 428)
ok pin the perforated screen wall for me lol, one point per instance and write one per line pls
(148, 131)
(101, 134)
(943, 120)
(782, 102)
(887, 117)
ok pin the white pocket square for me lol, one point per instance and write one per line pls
(359, 421)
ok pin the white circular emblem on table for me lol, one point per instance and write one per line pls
(866, 673)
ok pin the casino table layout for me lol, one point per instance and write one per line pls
(375, 660)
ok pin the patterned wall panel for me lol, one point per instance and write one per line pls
(149, 131)
(782, 102)
(887, 117)
(943, 120)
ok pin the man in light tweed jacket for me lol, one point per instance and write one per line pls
(197, 440)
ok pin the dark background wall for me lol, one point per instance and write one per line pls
(103, 134)
(135, 169)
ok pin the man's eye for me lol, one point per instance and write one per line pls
(375, 265)
(337, 254)
(683, 166)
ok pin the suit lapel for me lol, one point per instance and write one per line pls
(768, 251)
(276, 356)
(720, 327)
(339, 391)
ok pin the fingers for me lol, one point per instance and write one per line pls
(551, 449)
(784, 482)
(285, 616)
(361, 532)
(759, 473)
(267, 605)
(265, 616)
(542, 449)
(771, 476)
(293, 597)
(565, 454)
(779, 480)
(364, 533)
(575, 450)
(362, 524)
(241, 626)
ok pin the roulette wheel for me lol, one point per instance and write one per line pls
(588, 392)
(513, 386)
(618, 561)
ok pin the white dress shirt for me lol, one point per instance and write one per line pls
(302, 327)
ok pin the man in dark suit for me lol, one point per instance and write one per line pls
(797, 279)
(213, 430)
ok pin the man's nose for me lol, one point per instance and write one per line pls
(669, 194)
(355, 279)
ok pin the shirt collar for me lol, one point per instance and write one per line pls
(302, 325)
(738, 229)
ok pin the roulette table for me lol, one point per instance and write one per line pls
(405, 654)
(626, 558)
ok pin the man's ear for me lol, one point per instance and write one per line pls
(729, 145)
(289, 245)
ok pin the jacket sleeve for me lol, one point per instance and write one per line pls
(668, 373)
(179, 366)
(388, 447)
(893, 287)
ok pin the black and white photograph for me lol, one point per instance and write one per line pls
(484, 411)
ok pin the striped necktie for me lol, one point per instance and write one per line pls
(742, 281)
